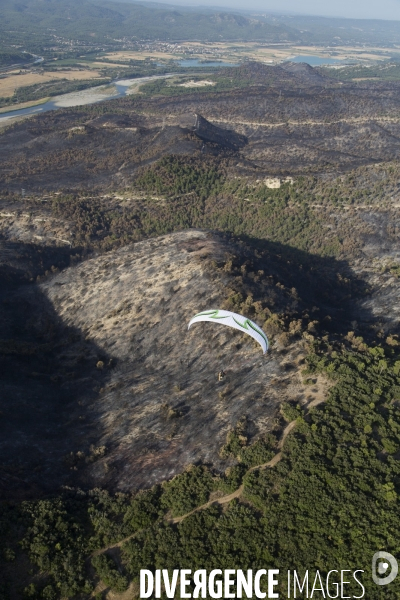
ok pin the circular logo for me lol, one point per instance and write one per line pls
(380, 568)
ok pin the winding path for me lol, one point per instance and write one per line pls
(222, 500)
(237, 493)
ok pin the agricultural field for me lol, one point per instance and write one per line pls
(9, 85)
(157, 56)
(124, 56)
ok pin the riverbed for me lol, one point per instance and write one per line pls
(109, 91)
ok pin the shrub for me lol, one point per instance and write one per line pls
(108, 572)
(144, 509)
(258, 453)
(188, 490)
(290, 412)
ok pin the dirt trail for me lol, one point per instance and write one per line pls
(282, 124)
(237, 493)
(223, 500)
(271, 463)
(233, 121)
(320, 397)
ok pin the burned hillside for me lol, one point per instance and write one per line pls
(119, 392)
(266, 120)
(88, 266)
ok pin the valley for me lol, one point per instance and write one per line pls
(273, 193)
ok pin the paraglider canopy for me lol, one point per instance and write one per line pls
(231, 319)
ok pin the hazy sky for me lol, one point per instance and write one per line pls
(360, 9)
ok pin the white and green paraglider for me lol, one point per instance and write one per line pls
(231, 319)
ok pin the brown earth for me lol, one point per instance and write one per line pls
(104, 385)
(101, 382)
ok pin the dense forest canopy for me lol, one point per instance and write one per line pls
(12, 57)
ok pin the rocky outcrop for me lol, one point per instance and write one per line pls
(226, 138)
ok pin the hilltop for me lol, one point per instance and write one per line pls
(103, 388)
(109, 346)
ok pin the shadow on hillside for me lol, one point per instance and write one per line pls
(327, 287)
(48, 381)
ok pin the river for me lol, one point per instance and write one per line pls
(119, 88)
(100, 92)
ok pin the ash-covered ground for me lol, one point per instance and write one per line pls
(275, 121)
(102, 383)
(162, 406)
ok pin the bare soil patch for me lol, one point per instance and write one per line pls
(194, 84)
